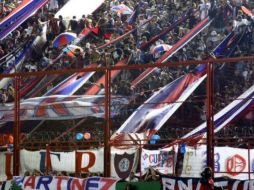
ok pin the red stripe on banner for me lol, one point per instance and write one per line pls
(95, 88)
(30, 86)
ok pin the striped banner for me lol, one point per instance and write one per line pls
(226, 115)
(95, 89)
(59, 107)
(151, 116)
(180, 44)
(70, 85)
(19, 15)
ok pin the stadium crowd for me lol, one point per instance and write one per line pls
(162, 13)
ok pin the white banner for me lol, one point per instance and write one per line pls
(231, 162)
(162, 160)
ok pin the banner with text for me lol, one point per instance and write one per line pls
(64, 183)
(174, 183)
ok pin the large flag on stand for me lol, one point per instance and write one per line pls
(236, 108)
(180, 44)
(150, 116)
(25, 10)
(59, 107)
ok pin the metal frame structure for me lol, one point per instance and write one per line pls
(107, 70)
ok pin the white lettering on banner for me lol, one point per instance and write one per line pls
(162, 160)
(174, 183)
(231, 162)
(65, 183)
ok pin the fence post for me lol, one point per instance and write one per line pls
(16, 151)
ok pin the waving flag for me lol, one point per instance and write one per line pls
(122, 9)
(160, 48)
(25, 10)
(64, 39)
(70, 85)
(180, 44)
(150, 116)
(226, 115)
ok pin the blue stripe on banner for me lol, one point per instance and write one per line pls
(218, 122)
(18, 21)
(13, 17)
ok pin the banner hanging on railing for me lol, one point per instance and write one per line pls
(64, 183)
(175, 183)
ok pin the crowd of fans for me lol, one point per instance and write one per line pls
(227, 17)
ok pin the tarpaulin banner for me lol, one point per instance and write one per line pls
(175, 183)
(64, 183)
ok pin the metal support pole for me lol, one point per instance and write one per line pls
(107, 126)
(16, 132)
(209, 116)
